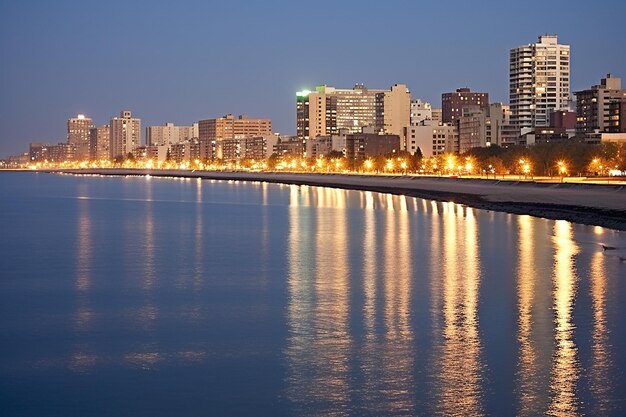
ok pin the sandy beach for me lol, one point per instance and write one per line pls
(592, 204)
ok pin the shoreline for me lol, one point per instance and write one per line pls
(590, 204)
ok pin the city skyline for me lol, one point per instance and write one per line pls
(162, 77)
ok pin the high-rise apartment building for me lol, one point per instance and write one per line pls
(125, 134)
(539, 81)
(593, 105)
(99, 140)
(170, 134)
(327, 110)
(78, 135)
(452, 104)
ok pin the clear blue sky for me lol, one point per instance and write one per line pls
(190, 60)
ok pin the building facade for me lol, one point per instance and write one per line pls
(99, 139)
(229, 127)
(257, 148)
(420, 111)
(78, 129)
(170, 134)
(125, 135)
(327, 110)
(393, 110)
(481, 126)
(539, 81)
(433, 138)
(290, 146)
(617, 116)
(61, 152)
(593, 105)
(563, 119)
(452, 104)
(213, 131)
(360, 146)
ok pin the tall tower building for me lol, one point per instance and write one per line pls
(125, 134)
(539, 81)
(78, 135)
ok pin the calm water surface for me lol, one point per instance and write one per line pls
(159, 297)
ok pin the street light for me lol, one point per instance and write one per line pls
(523, 167)
(562, 169)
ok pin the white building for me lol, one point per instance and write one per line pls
(420, 111)
(125, 134)
(539, 81)
(432, 138)
(78, 135)
(170, 134)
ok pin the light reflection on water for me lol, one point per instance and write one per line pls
(565, 366)
(458, 368)
(602, 386)
(83, 358)
(531, 387)
(369, 304)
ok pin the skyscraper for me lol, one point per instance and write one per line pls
(125, 134)
(539, 81)
(78, 135)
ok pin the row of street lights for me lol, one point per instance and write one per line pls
(448, 164)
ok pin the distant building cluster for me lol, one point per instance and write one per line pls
(361, 122)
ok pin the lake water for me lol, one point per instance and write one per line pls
(148, 296)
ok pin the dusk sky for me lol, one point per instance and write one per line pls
(190, 60)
